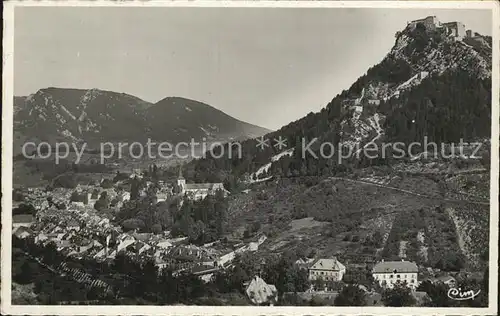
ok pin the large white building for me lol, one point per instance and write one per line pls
(327, 269)
(388, 273)
(198, 191)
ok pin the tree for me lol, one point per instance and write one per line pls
(95, 194)
(351, 295)
(134, 189)
(27, 274)
(377, 239)
(24, 209)
(358, 276)
(156, 228)
(154, 172)
(438, 294)
(103, 202)
(120, 177)
(284, 274)
(106, 184)
(400, 295)
(17, 196)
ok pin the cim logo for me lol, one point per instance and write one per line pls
(458, 295)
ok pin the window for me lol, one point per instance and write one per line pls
(398, 276)
(391, 276)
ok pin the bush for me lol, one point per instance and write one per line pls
(351, 295)
(262, 196)
(24, 209)
(106, 184)
(398, 296)
(67, 181)
(17, 196)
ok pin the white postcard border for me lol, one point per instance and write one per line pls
(7, 163)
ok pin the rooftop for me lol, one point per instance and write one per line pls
(328, 264)
(23, 218)
(395, 267)
(200, 186)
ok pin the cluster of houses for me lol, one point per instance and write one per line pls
(194, 191)
(82, 232)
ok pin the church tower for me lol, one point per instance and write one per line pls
(181, 182)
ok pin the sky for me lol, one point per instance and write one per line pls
(265, 66)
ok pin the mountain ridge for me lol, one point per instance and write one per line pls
(94, 115)
(434, 82)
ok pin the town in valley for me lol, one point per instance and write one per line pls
(270, 228)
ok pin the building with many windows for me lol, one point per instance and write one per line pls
(388, 273)
(327, 269)
(198, 191)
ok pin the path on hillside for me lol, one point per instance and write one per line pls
(407, 191)
(374, 122)
(454, 173)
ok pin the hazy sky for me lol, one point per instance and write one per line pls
(266, 66)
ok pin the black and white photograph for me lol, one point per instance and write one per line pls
(243, 158)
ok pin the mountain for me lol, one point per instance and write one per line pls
(434, 82)
(181, 118)
(93, 116)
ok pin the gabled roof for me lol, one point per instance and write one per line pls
(202, 269)
(201, 186)
(23, 218)
(142, 236)
(19, 231)
(72, 223)
(395, 267)
(259, 291)
(328, 264)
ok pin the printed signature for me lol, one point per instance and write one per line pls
(458, 295)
